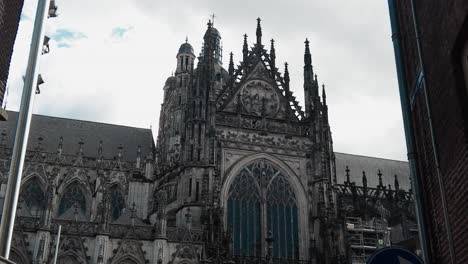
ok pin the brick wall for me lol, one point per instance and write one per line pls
(10, 11)
(441, 24)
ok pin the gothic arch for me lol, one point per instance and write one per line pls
(117, 200)
(17, 256)
(41, 177)
(293, 181)
(127, 259)
(83, 200)
(70, 257)
(33, 193)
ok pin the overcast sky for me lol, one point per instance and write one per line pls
(109, 60)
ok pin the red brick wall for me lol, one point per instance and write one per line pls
(10, 11)
(440, 25)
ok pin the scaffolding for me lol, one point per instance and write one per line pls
(365, 237)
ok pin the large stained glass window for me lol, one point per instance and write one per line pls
(117, 201)
(73, 195)
(33, 197)
(261, 200)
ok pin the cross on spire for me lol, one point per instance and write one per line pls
(213, 18)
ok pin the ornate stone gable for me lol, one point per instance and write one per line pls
(129, 251)
(71, 248)
(260, 94)
(185, 254)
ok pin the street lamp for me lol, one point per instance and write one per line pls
(52, 9)
(45, 45)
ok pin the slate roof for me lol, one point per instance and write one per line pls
(357, 164)
(186, 48)
(90, 133)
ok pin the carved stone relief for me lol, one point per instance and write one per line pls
(260, 98)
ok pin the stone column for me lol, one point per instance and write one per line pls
(161, 254)
(102, 250)
(42, 247)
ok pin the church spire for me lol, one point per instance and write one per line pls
(245, 48)
(286, 76)
(273, 55)
(307, 56)
(310, 88)
(324, 95)
(259, 32)
(231, 64)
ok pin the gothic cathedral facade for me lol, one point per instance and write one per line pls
(239, 172)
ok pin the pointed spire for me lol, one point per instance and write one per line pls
(307, 56)
(100, 149)
(39, 143)
(80, 150)
(364, 179)
(133, 213)
(239, 103)
(273, 55)
(324, 95)
(380, 178)
(397, 185)
(245, 48)
(347, 175)
(231, 64)
(138, 158)
(286, 76)
(186, 39)
(119, 155)
(259, 32)
(60, 147)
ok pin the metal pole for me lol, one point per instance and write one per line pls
(22, 131)
(57, 244)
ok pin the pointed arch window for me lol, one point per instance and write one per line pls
(261, 200)
(117, 201)
(34, 197)
(73, 196)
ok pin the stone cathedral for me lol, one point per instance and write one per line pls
(240, 172)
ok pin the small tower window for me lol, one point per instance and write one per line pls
(186, 62)
(181, 63)
(199, 154)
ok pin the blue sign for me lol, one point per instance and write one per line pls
(394, 255)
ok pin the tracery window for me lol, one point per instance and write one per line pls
(117, 202)
(73, 195)
(261, 200)
(33, 197)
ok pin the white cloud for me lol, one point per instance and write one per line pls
(118, 54)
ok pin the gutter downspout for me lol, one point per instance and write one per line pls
(433, 140)
(407, 123)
